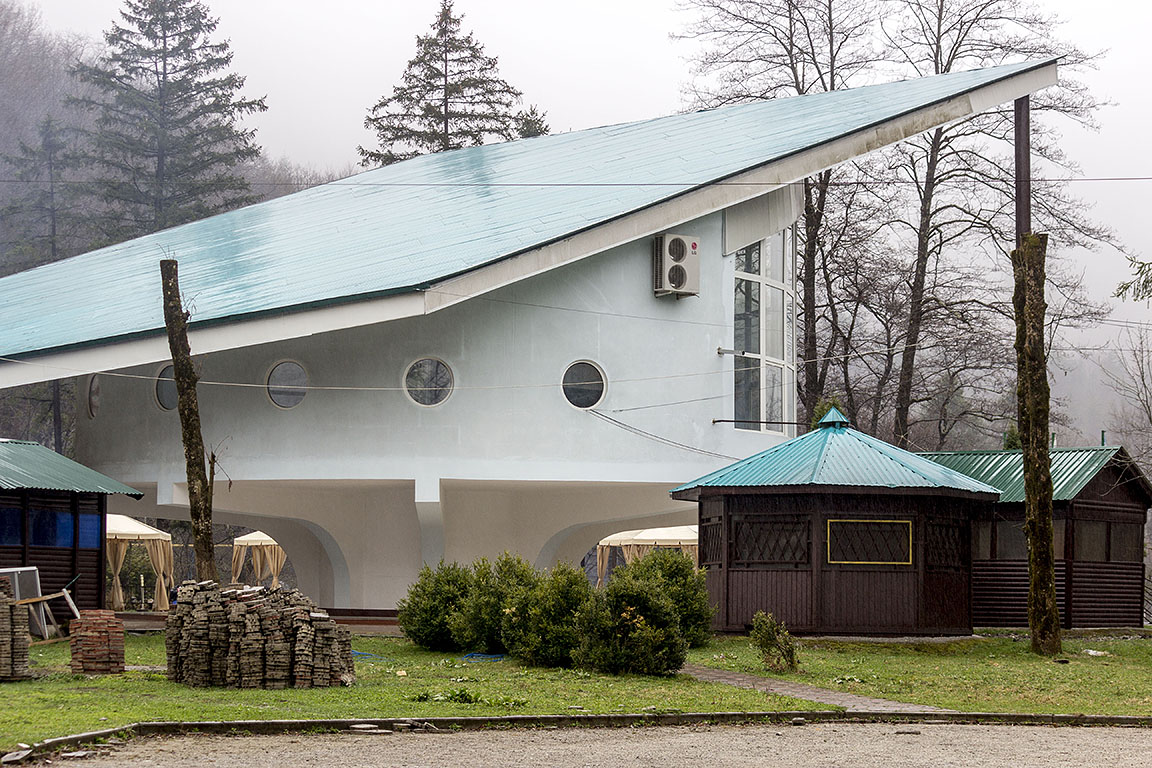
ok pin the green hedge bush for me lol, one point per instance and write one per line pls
(776, 645)
(475, 623)
(686, 588)
(539, 624)
(630, 626)
(432, 598)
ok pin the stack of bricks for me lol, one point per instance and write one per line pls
(13, 635)
(97, 643)
(252, 637)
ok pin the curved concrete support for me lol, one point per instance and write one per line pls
(572, 543)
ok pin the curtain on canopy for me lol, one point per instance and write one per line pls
(636, 544)
(122, 531)
(267, 557)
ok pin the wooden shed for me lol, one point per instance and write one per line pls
(1100, 502)
(52, 516)
(836, 532)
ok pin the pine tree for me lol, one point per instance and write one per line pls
(530, 122)
(166, 138)
(43, 222)
(450, 97)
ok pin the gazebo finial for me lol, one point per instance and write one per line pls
(833, 419)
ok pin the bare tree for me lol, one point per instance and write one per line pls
(763, 49)
(904, 270)
(959, 177)
(270, 178)
(1131, 379)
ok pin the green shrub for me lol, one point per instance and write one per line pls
(423, 614)
(539, 624)
(776, 645)
(475, 623)
(687, 589)
(630, 626)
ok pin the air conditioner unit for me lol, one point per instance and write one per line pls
(676, 265)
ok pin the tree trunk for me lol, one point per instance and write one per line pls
(199, 479)
(1032, 398)
(901, 428)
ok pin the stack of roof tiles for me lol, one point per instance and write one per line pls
(252, 637)
(97, 643)
(13, 635)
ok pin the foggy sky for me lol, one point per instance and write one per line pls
(595, 62)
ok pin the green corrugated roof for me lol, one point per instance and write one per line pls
(836, 455)
(405, 226)
(1072, 469)
(30, 465)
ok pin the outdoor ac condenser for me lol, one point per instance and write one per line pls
(676, 265)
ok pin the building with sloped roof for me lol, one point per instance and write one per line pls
(837, 532)
(1100, 502)
(517, 346)
(52, 516)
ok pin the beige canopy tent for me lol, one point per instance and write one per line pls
(120, 531)
(636, 544)
(267, 557)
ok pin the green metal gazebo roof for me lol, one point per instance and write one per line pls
(406, 226)
(836, 456)
(1072, 469)
(25, 464)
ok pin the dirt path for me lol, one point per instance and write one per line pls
(809, 746)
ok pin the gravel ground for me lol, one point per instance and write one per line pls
(809, 746)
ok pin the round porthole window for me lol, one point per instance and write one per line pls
(583, 384)
(428, 381)
(287, 384)
(166, 395)
(93, 395)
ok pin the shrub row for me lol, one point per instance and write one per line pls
(642, 622)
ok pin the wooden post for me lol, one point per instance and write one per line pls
(184, 372)
(1032, 398)
(1023, 147)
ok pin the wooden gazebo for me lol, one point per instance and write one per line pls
(1100, 502)
(836, 532)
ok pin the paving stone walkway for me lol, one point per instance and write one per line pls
(801, 691)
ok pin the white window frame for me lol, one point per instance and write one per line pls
(785, 367)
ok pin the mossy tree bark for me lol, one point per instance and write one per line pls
(200, 477)
(1032, 398)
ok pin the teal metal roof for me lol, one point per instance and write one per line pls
(1072, 469)
(25, 464)
(836, 455)
(405, 226)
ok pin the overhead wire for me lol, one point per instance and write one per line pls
(348, 182)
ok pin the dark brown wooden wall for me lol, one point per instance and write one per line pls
(58, 566)
(1090, 593)
(1000, 593)
(811, 595)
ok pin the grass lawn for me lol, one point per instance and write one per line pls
(992, 674)
(58, 703)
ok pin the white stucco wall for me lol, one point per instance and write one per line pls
(504, 463)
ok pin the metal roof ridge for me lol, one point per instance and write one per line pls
(884, 450)
(1006, 451)
(756, 456)
(887, 447)
(830, 432)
